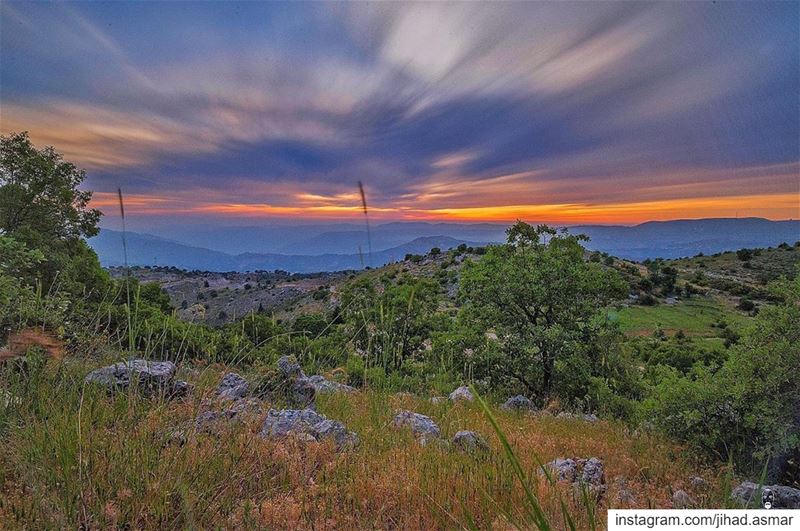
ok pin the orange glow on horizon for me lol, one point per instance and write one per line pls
(771, 206)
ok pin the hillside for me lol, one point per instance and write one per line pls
(313, 248)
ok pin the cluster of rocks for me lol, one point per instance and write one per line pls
(750, 494)
(427, 431)
(579, 472)
(150, 377)
(307, 425)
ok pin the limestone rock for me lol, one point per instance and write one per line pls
(423, 427)
(233, 387)
(518, 403)
(151, 377)
(462, 393)
(470, 442)
(308, 425)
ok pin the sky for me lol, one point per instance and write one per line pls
(559, 112)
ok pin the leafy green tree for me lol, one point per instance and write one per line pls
(749, 410)
(42, 207)
(542, 300)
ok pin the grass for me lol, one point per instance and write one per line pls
(72, 455)
(694, 316)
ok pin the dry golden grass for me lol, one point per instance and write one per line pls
(74, 456)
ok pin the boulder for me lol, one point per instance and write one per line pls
(578, 471)
(462, 393)
(779, 496)
(151, 377)
(423, 427)
(213, 421)
(308, 425)
(323, 385)
(470, 442)
(681, 500)
(593, 472)
(288, 384)
(518, 403)
(563, 469)
(233, 387)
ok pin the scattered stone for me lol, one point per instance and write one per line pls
(697, 482)
(681, 500)
(624, 494)
(462, 393)
(307, 425)
(780, 496)
(233, 387)
(323, 385)
(518, 403)
(593, 472)
(180, 389)
(423, 427)
(214, 421)
(470, 442)
(563, 469)
(287, 384)
(439, 399)
(591, 417)
(151, 377)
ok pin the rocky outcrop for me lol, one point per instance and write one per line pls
(323, 385)
(749, 494)
(308, 425)
(216, 421)
(470, 442)
(233, 387)
(682, 500)
(423, 427)
(462, 393)
(288, 384)
(518, 403)
(150, 377)
(580, 471)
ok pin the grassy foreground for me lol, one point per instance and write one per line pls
(73, 456)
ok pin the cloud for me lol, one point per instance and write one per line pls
(435, 107)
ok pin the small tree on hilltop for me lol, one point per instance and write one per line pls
(543, 300)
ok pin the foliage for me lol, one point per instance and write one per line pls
(748, 410)
(543, 302)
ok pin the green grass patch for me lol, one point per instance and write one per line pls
(695, 317)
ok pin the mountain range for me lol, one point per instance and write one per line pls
(342, 246)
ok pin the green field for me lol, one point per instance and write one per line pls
(694, 316)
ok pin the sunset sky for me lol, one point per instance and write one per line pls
(559, 112)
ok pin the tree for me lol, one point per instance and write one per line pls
(42, 207)
(39, 192)
(542, 300)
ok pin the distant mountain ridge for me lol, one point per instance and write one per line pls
(146, 249)
(306, 249)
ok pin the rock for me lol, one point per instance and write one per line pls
(213, 421)
(681, 500)
(518, 403)
(563, 469)
(438, 399)
(151, 377)
(469, 441)
(624, 494)
(697, 482)
(780, 496)
(308, 425)
(323, 385)
(233, 387)
(591, 417)
(180, 389)
(423, 427)
(462, 393)
(289, 368)
(593, 472)
(288, 384)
